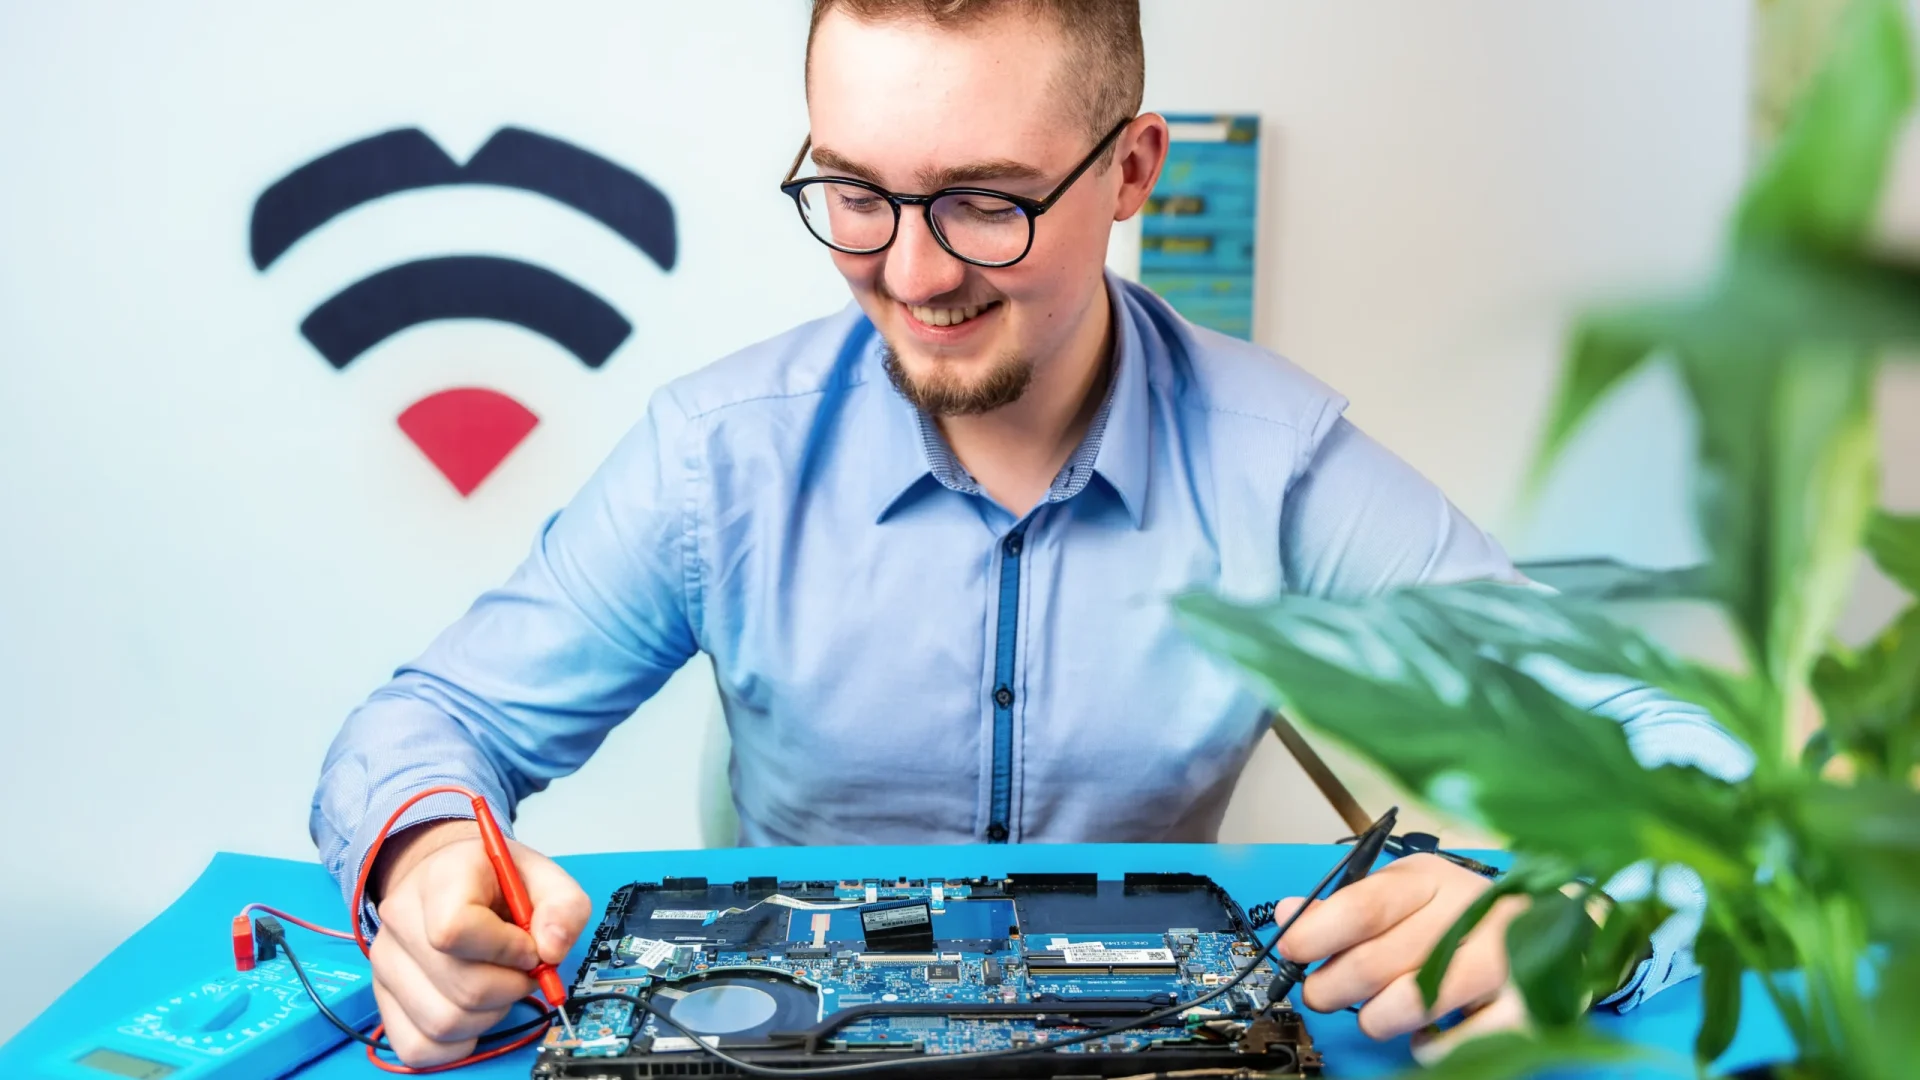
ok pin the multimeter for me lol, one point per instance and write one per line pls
(230, 1024)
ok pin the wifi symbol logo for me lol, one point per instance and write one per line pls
(466, 432)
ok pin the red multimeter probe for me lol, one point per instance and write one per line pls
(519, 905)
(512, 889)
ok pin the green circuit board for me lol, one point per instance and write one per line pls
(919, 970)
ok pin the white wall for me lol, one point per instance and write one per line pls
(212, 545)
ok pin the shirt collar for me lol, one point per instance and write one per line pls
(898, 459)
(1124, 446)
(911, 451)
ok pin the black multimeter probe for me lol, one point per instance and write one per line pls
(1366, 852)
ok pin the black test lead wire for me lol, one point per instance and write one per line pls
(270, 930)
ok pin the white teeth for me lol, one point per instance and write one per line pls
(933, 316)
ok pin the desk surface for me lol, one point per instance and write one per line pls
(190, 936)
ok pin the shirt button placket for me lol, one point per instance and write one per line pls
(1000, 808)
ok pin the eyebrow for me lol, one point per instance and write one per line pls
(972, 172)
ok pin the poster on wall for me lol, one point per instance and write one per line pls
(1197, 229)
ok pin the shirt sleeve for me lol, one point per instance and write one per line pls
(526, 685)
(1359, 521)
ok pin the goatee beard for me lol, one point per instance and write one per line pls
(944, 396)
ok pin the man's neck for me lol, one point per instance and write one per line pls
(1016, 451)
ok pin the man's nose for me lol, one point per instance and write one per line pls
(918, 269)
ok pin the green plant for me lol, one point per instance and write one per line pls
(1811, 863)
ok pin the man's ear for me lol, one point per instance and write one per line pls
(1140, 152)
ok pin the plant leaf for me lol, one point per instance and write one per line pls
(1529, 874)
(1895, 1038)
(1411, 680)
(1621, 942)
(1720, 987)
(1612, 580)
(1514, 1056)
(1546, 953)
(1597, 360)
(1779, 360)
(1871, 699)
(1823, 183)
(1864, 842)
(1894, 543)
(1435, 967)
(1825, 483)
(1819, 748)
(1520, 627)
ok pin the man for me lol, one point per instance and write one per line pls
(928, 544)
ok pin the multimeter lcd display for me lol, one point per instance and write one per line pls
(115, 1063)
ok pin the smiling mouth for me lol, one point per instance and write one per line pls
(949, 316)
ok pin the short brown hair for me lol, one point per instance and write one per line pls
(1106, 68)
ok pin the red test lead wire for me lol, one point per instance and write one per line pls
(292, 919)
(503, 868)
(519, 905)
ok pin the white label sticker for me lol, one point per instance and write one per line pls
(1061, 943)
(892, 918)
(684, 914)
(648, 953)
(1093, 952)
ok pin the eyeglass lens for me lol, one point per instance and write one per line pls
(858, 220)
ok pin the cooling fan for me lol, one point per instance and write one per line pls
(738, 1008)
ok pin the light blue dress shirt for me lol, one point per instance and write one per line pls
(901, 660)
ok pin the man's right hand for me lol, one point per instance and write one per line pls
(448, 962)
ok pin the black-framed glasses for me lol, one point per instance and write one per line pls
(975, 225)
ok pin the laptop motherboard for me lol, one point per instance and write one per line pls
(1032, 975)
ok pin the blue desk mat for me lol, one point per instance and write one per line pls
(191, 936)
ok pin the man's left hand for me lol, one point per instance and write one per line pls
(1381, 929)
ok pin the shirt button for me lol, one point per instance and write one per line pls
(997, 833)
(1013, 544)
(1003, 697)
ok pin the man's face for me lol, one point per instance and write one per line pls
(912, 109)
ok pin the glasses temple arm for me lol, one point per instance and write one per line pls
(794, 169)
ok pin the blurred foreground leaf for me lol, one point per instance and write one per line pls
(1546, 951)
(1894, 543)
(1517, 1057)
(1427, 683)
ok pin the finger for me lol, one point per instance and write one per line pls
(413, 1048)
(470, 985)
(458, 919)
(475, 986)
(433, 1012)
(1475, 976)
(1366, 969)
(560, 906)
(1360, 912)
(1506, 1012)
(1284, 909)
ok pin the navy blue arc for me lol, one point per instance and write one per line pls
(406, 160)
(380, 305)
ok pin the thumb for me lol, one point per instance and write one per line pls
(560, 905)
